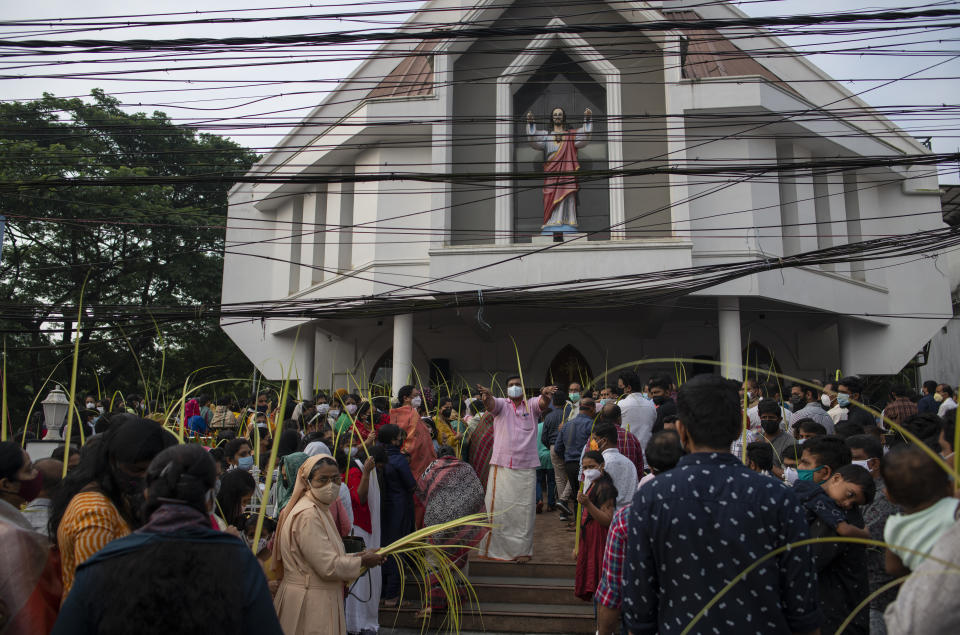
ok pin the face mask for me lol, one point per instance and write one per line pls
(91, 405)
(245, 463)
(352, 408)
(770, 427)
(326, 494)
(843, 399)
(416, 402)
(603, 402)
(825, 400)
(790, 475)
(749, 395)
(30, 489)
(590, 475)
(659, 400)
(646, 395)
(937, 397)
(807, 475)
(334, 412)
(323, 408)
(864, 464)
(100, 409)
(262, 409)
(447, 412)
(574, 397)
(514, 391)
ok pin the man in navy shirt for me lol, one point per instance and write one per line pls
(692, 529)
(571, 441)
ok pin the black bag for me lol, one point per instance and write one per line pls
(353, 544)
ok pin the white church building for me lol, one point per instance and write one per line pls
(658, 100)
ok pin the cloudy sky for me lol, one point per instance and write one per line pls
(280, 93)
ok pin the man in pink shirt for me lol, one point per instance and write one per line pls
(513, 468)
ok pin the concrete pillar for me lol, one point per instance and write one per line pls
(402, 350)
(308, 369)
(731, 352)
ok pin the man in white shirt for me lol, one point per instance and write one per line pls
(948, 403)
(37, 511)
(638, 414)
(620, 468)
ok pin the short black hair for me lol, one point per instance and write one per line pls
(768, 407)
(388, 433)
(947, 390)
(234, 446)
(404, 392)
(911, 477)
(899, 390)
(761, 453)
(60, 450)
(664, 450)
(870, 445)
(848, 429)
(793, 452)
(811, 426)
(771, 388)
(949, 426)
(925, 426)
(607, 431)
(593, 454)
(512, 377)
(862, 477)
(830, 451)
(658, 381)
(853, 384)
(931, 386)
(709, 409)
(630, 378)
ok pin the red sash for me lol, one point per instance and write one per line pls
(557, 188)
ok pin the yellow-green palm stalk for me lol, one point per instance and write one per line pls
(73, 377)
(516, 352)
(3, 406)
(954, 472)
(576, 530)
(800, 543)
(883, 589)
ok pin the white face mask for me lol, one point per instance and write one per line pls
(323, 408)
(514, 391)
(864, 464)
(91, 405)
(825, 400)
(326, 494)
(100, 409)
(790, 475)
(352, 408)
(590, 475)
(416, 402)
(334, 412)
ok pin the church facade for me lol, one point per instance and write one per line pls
(503, 122)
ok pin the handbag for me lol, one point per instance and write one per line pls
(353, 544)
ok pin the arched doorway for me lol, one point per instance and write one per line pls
(760, 362)
(382, 373)
(567, 366)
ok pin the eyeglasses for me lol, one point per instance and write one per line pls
(323, 480)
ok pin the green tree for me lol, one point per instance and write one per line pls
(148, 246)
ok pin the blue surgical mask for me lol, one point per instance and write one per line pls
(514, 391)
(807, 475)
(574, 397)
(646, 395)
(843, 399)
(245, 463)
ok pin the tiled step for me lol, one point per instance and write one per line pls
(501, 617)
(544, 591)
(531, 569)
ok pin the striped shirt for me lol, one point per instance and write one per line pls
(89, 523)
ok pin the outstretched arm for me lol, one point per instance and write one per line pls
(583, 134)
(534, 138)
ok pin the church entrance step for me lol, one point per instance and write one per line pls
(501, 617)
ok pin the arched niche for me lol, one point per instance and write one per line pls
(568, 365)
(561, 82)
(760, 362)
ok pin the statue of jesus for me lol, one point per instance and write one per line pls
(560, 147)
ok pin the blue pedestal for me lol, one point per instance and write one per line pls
(557, 229)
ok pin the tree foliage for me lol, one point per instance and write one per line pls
(150, 246)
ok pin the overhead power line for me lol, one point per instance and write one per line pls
(486, 32)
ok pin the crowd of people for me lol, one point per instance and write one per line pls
(666, 495)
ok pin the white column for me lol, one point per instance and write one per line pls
(402, 350)
(731, 356)
(308, 370)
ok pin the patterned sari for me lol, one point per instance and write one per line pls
(449, 489)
